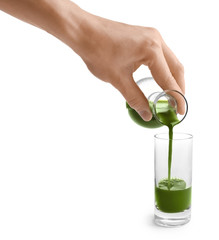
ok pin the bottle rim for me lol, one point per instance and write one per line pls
(165, 92)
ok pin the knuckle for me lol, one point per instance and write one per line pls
(152, 47)
(154, 32)
(135, 103)
(151, 43)
(152, 50)
(153, 55)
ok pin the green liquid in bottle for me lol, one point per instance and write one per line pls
(153, 123)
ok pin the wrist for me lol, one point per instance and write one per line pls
(64, 20)
(81, 30)
(74, 26)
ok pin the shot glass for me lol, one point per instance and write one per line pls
(173, 179)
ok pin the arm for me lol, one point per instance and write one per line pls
(111, 50)
(61, 18)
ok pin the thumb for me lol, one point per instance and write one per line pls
(135, 98)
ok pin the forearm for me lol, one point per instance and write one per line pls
(61, 18)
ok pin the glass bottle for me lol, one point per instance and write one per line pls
(163, 105)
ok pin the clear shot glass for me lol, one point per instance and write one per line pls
(173, 179)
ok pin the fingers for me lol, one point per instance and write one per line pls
(162, 75)
(134, 97)
(175, 66)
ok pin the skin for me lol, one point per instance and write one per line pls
(112, 51)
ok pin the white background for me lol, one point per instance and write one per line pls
(72, 163)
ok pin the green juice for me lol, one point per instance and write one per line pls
(171, 195)
(172, 199)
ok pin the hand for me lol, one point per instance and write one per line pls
(112, 51)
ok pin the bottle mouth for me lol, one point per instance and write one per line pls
(170, 107)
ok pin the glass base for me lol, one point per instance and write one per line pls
(171, 219)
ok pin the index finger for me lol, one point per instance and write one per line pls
(175, 66)
(162, 75)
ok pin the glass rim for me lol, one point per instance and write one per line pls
(186, 136)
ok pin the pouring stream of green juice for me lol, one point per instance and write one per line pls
(167, 116)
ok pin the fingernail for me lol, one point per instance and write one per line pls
(146, 116)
